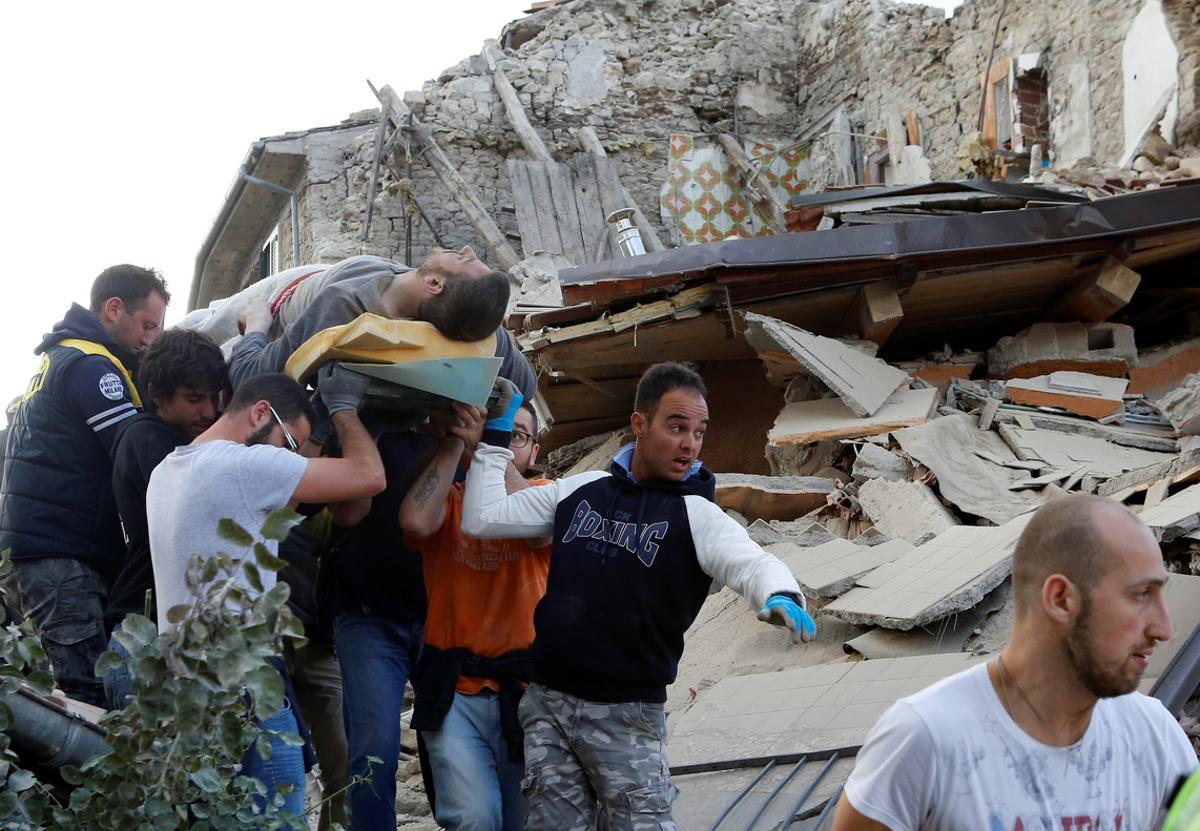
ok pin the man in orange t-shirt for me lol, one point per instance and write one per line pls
(478, 628)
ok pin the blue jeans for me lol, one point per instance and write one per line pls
(286, 765)
(477, 787)
(118, 682)
(376, 656)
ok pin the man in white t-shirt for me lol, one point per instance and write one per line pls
(1051, 734)
(247, 465)
(242, 468)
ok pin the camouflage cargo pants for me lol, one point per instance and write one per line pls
(585, 761)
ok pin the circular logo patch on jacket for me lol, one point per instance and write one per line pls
(111, 386)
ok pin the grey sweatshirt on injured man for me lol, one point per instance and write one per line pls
(352, 287)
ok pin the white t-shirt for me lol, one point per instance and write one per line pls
(197, 486)
(950, 757)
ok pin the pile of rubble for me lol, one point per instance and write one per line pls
(922, 476)
(893, 480)
(1156, 163)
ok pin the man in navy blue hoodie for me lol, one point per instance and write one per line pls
(57, 513)
(634, 553)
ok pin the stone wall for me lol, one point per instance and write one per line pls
(639, 71)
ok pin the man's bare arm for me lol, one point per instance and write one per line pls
(424, 508)
(357, 474)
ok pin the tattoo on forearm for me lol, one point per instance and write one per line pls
(426, 487)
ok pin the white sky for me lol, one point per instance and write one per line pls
(126, 122)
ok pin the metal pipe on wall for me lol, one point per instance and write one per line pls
(295, 205)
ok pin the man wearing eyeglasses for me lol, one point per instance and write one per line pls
(242, 468)
(478, 629)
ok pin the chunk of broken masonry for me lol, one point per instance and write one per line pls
(907, 510)
(1162, 369)
(1099, 348)
(1181, 406)
(874, 462)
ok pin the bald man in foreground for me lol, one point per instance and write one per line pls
(1051, 734)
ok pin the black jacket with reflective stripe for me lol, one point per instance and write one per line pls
(56, 497)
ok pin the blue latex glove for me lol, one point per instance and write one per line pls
(500, 417)
(783, 610)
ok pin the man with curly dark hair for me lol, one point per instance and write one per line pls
(182, 375)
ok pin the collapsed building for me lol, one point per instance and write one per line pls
(933, 271)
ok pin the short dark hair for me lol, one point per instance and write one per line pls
(660, 379)
(287, 397)
(527, 406)
(181, 358)
(468, 308)
(133, 284)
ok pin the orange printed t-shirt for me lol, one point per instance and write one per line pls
(481, 592)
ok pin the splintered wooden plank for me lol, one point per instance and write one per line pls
(592, 226)
(543, 201)
(527, 218)
(612, 197)
(562, 193)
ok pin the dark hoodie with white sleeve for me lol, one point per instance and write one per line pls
(631, 565)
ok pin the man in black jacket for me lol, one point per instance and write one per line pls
(57, 514)
(182, 374)
(634, 552)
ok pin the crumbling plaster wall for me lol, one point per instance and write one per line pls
(905, 58)
(639, 71)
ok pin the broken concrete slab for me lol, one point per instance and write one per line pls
(810, 708)
(1161, 369)
(948, 574)
(1065, 451)
(763, 534)
(1184, 467)
(872, 536)
(1175, 516)
(862, 382)
(772, 497)
(1144, 436)
(874, 462)
(803, 532)
(1051, 478)
(946, 635)
(1181, 405)
(1082, 393)
(905, 510)
(830, 569)
(808, 422)
(1100, 348)
(959, 455)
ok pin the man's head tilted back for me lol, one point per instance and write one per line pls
(669, 421)
(466, 298)
(1088, 580)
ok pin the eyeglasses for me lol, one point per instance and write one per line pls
(291, 442)
(519, 439)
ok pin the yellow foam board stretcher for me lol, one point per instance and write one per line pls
(372, 339)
